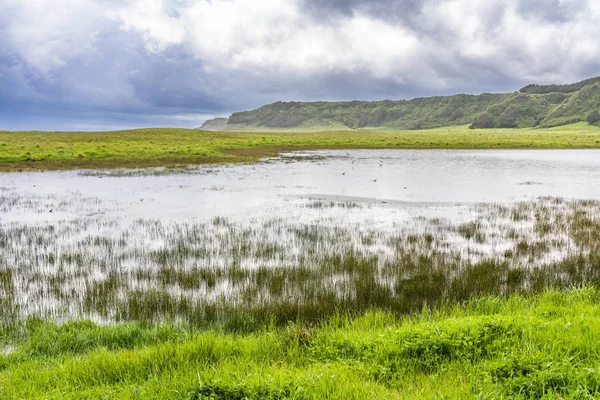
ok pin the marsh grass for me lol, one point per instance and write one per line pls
(246, 275)
(332, 204)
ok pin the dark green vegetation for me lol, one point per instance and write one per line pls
(21, 151)
(593, 117)
(520, 347)
(533, 105)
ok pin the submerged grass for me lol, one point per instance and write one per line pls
(518, 347)
(244, 276)
(171, 147)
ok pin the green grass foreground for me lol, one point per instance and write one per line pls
(23, 151)
(528, 347)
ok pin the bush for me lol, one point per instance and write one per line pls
(483, 121)
(416, 125)
(593, 117)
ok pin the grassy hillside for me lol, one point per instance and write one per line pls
(576, 107)
(533, 105)
(419, 113)
(517, 110)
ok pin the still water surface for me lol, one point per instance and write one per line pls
(388, 179)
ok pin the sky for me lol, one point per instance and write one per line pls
(112, 64)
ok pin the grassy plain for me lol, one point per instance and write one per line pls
(23, 151)
(521, 347)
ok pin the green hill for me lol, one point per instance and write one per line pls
(533, 105)
(570, 88)
(417, 113)
(576, 107)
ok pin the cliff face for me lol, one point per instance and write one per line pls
(533, 105)
(215, 124)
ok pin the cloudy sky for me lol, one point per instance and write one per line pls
(105, 64)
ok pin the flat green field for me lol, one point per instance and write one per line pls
(522, 347)
(22, 151)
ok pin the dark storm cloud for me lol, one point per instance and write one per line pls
(126, 84)
(389, 10)
(102, 63)
(551, 10)
(374, 7)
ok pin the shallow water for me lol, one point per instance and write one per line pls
(395, 179)
(85, 243)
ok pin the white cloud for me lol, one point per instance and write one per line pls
(47, 34)
(275, 37)
(151, 19)
(193, 54)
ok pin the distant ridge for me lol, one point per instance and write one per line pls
(532, 105)
(570, 88)
(215, 124)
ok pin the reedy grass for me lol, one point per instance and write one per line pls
(275, 271)
(170, 147)
(517, 347)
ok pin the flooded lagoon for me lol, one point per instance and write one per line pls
(300, 234)
(393, 177)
